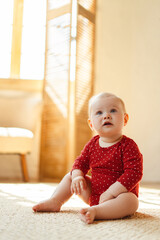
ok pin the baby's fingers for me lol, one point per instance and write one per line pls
(72, 190)
(76, 188)
(79, 187)
(82, 185)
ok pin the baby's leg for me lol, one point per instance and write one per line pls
(59, 197)
(123, 205)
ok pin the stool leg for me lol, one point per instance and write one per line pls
(24, 167)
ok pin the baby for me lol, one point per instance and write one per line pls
(115, 162)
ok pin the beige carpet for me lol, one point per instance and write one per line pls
(17, 221)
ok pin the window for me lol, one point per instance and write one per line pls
(6, 25)
(22, 42)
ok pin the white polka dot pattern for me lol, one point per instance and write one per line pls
(121, 162)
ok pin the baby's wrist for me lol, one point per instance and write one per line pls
(77, 178)
(117, 188)
(111, 192)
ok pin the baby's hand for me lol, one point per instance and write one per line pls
(105, 196)
(78, 185)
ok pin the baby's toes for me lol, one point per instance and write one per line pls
(88, 217)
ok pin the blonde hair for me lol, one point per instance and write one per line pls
(101, 95)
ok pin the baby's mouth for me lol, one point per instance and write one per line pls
(107, 124)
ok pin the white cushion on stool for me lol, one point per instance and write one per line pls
(15, 140)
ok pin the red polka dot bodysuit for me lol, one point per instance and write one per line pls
(120, 162)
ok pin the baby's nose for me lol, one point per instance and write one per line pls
(107, 116)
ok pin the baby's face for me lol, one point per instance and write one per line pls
(107, 116)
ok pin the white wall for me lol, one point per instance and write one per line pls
(128, 64)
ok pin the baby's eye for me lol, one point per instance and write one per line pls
(113, 110)
(98, 112)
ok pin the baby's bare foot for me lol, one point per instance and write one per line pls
(49, 205)
(88, 214)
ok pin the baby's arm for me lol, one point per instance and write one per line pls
(112, 192)
(78, 182)
(133, 171)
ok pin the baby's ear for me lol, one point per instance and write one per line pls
(126, 118)
(90, 124)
